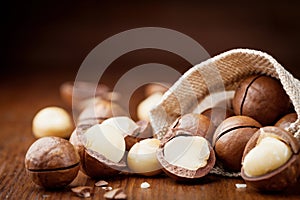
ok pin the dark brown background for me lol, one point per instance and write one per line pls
(53, 36)
(44, 42)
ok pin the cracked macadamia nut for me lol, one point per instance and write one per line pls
(52, 162)
(271, 159)
(52, 121)
(186, 157)
(231, 138)
(102, 149)
(142, 157)
(262, 98)
(268, 154)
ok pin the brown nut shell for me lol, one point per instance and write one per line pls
(231, 138)
(101, 110)
(182, 174)
(286, 120)
(144, 131)
(96, 165)
(52, 162)
(262, 98)
(282, 177)
(56, 178)
(195, 124)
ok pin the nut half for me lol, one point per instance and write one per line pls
(186, 157)
(102, 150)
(280, 166)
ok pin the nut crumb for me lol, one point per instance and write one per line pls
(117, 193)
(101, 183)
(239, 186)
(82, 191)
(45, 196)
(106, 188)
(145, 185)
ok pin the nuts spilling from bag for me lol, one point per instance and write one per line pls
(247, 136)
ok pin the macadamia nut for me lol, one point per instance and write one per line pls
(52, 121)
(52, 162)
(142, 157)
(145, 106)
(269, 154)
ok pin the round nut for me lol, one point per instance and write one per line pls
(142, 158)
(186, 157)
(262, 98)
(281, 160)
(231, 138)
(146, 105)
(52, 121)
(52, 162)
(216, 115)
(286, 120)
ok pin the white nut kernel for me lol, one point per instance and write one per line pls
(124, 124)
(145, 106)
(142, 157)
(145, 185)
(107, 141)
(269, 154)
(188, 152)
(52, 121)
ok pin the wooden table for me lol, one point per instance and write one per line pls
(22, 96)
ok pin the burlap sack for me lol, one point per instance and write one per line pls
(222, 72)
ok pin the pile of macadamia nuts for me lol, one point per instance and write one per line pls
(249, 135)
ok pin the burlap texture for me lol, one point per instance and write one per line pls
(222, 72)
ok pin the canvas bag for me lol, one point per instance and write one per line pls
(222, 72)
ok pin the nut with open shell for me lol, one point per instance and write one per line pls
(186, 157)
(101, 149)
(277, 165)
